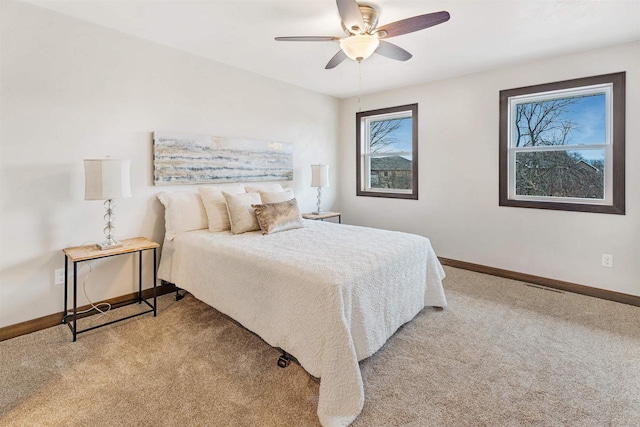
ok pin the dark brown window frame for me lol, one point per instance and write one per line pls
(414, 153)
(618, 141)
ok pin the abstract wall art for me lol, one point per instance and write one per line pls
(196, 159)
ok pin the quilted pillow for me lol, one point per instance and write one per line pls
(276, 196)
(216, 206)
(241, 214)
(182, 212)
(274, 217)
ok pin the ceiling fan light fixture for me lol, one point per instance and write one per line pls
(359, 47)
(360, 23)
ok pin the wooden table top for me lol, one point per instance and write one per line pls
(83, 253)
(323, 215)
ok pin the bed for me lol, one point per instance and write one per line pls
(328, 294)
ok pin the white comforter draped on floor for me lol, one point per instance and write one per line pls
(328, 294)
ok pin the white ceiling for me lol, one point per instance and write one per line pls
(482, 34)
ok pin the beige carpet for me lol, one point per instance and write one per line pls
(501, 354)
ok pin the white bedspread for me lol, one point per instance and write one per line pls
(328, 294)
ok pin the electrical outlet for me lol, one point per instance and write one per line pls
(607, 260)
(59, 276)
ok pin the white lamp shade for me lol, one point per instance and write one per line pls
(359, 47)
(319, 175)
(107, 179)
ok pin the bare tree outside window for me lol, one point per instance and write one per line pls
(382, 134)
(571, 174)
(544, 122)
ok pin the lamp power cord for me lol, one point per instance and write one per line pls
(100, 307)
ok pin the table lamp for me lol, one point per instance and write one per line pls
(107, 179)
(319, 178)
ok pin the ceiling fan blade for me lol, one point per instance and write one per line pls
(308, 39)
(351, 15)
(410, 25)
(336, 60)
(392, 51)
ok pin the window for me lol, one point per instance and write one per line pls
(387, 152)
(562, 145)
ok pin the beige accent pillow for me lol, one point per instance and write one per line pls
(216, 205)
(182, 212)
(276, 196)
(270, 186)
(275, 217)
(241, 214)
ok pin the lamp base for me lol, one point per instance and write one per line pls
(110, 241)
(109, 244)
(319, 212)
(318, 208)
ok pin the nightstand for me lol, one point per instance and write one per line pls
(80, 254)
(324, 215)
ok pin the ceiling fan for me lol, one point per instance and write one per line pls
(363, 39)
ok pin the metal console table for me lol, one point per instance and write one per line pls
(80, 254)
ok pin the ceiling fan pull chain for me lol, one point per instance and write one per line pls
(359, 86)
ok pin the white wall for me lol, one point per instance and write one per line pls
(458, 180)
(71, 90)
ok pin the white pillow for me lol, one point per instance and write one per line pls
(270, 186)
(241, 214)
(216, 206)
(182, 212)
(276, 196)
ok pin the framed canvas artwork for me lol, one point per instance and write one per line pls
(197, 159)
